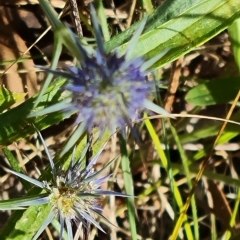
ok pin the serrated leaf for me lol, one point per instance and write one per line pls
(214, 92)
(32, 219)
(8, 98)
(15, 123)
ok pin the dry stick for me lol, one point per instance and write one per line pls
(132, 9)
(77, 23)
(173, 84)
(75, 17)
(190, 116)
(112, 4)
(200, 173)
(78, 27)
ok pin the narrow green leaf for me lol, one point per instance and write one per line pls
(234, 216)
(57, 50)
(15, 166)
(191, 29)
(213, 92)
(189, 180)
(127, 176)
(102, 19)
(51, 14)
(234, 33)
(164, 163)
(148, 6)
(227, 180)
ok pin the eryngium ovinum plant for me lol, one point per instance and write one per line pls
(109, 89)
(74, 194)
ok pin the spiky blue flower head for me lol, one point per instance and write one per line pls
(109, 90)
(73, 194)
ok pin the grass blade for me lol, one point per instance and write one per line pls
(127, 176)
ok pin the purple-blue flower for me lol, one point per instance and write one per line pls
(74, 194)
(109, 90)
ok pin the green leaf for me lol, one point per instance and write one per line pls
(31, 222)
(102, 19)
(8, 98)
(234, 33)
(187, 29)
(127, 176)
(15, 166)
(164, 13)
(186, 170)
(191, 29)
(148, 6)
(215, 91)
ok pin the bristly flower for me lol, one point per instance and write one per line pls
(74, 194)
(109, 89)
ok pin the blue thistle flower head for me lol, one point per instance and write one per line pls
(73, 194)
(109, 90)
